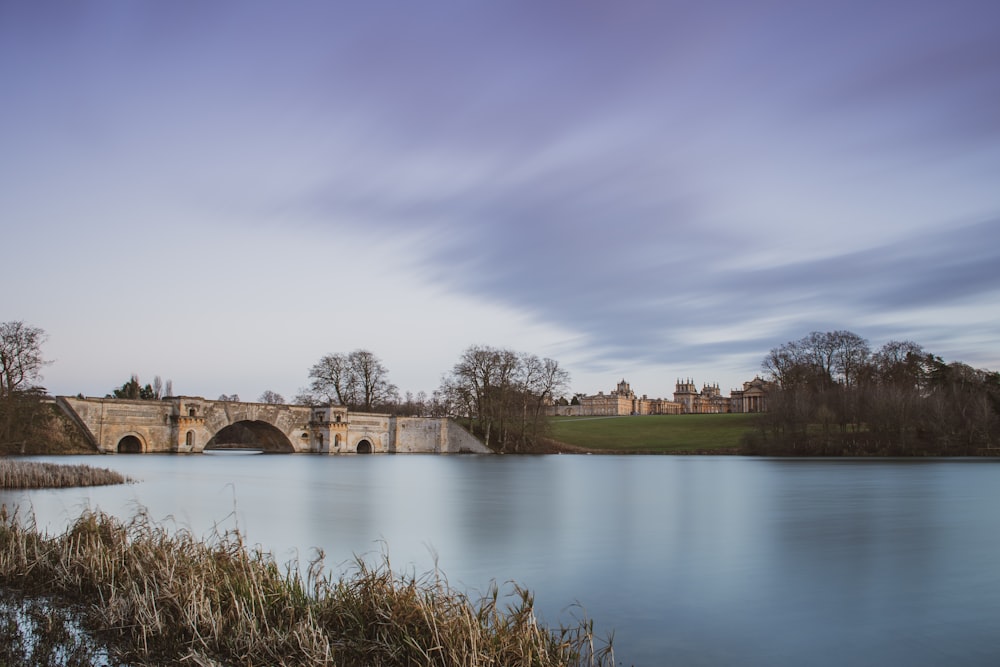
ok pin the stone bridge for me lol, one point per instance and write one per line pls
(190, 424)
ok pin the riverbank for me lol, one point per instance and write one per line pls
(145, 595)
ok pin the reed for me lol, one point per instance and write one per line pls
(36, 475)
(156, 596)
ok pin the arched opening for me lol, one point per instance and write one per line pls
(250, 436)
(364, 447)
(189, 439)
(130, 445)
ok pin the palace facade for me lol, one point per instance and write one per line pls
(687, 400)
(708, 401)
(623, 401)
(752, 398)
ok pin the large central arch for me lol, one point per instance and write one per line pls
(247, 434)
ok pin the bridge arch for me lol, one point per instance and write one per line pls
(364, 446)
(131, 444)
(251, 434)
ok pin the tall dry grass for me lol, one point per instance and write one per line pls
(35, 475)
(156, 596)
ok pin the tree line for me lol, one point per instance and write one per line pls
(500, 394)
(833, 394)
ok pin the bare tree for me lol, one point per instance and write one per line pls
(851, 355)
(21, 359)
(332, 380)
(271, 397)
(374, 388)
(503, 394)
(412, 405)
(900, 362)
(786, 365)
(819, 359)
(541, 380)
(358, 380)
(21, 362)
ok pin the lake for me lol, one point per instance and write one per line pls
(690, 560)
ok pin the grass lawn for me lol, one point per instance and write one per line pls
(654, 433)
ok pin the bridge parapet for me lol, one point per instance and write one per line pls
(189, 424)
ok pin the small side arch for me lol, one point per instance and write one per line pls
(131, 444)
(364, 446)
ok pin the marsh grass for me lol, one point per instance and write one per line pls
(152, 596)
(36, 475)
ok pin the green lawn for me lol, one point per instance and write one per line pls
(653, 433)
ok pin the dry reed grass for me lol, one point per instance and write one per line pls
(155, 596)
(36, 475)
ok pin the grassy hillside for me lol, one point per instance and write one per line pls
(664, 434)
(41, 428)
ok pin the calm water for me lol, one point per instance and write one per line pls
(690, 560)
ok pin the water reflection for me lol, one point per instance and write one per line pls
(691, 560)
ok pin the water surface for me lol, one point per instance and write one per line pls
(690, 560)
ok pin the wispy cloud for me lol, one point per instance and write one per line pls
(677, 186)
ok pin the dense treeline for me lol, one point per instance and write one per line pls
(834, 395)
(502, 394)
(135, 391)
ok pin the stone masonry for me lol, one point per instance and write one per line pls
(189, 424)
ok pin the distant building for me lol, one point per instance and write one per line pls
(623, 401)
(708, 401)
(688, 400)
(752, 398)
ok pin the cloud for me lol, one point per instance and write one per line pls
(650, 183)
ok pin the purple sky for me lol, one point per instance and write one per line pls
(221, 193)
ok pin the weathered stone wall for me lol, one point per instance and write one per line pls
(111, 420)
(370, 427)
(435, 435)
(415, 434)
(186, 424)
(460, 441)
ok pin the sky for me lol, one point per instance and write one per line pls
(220, 193)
